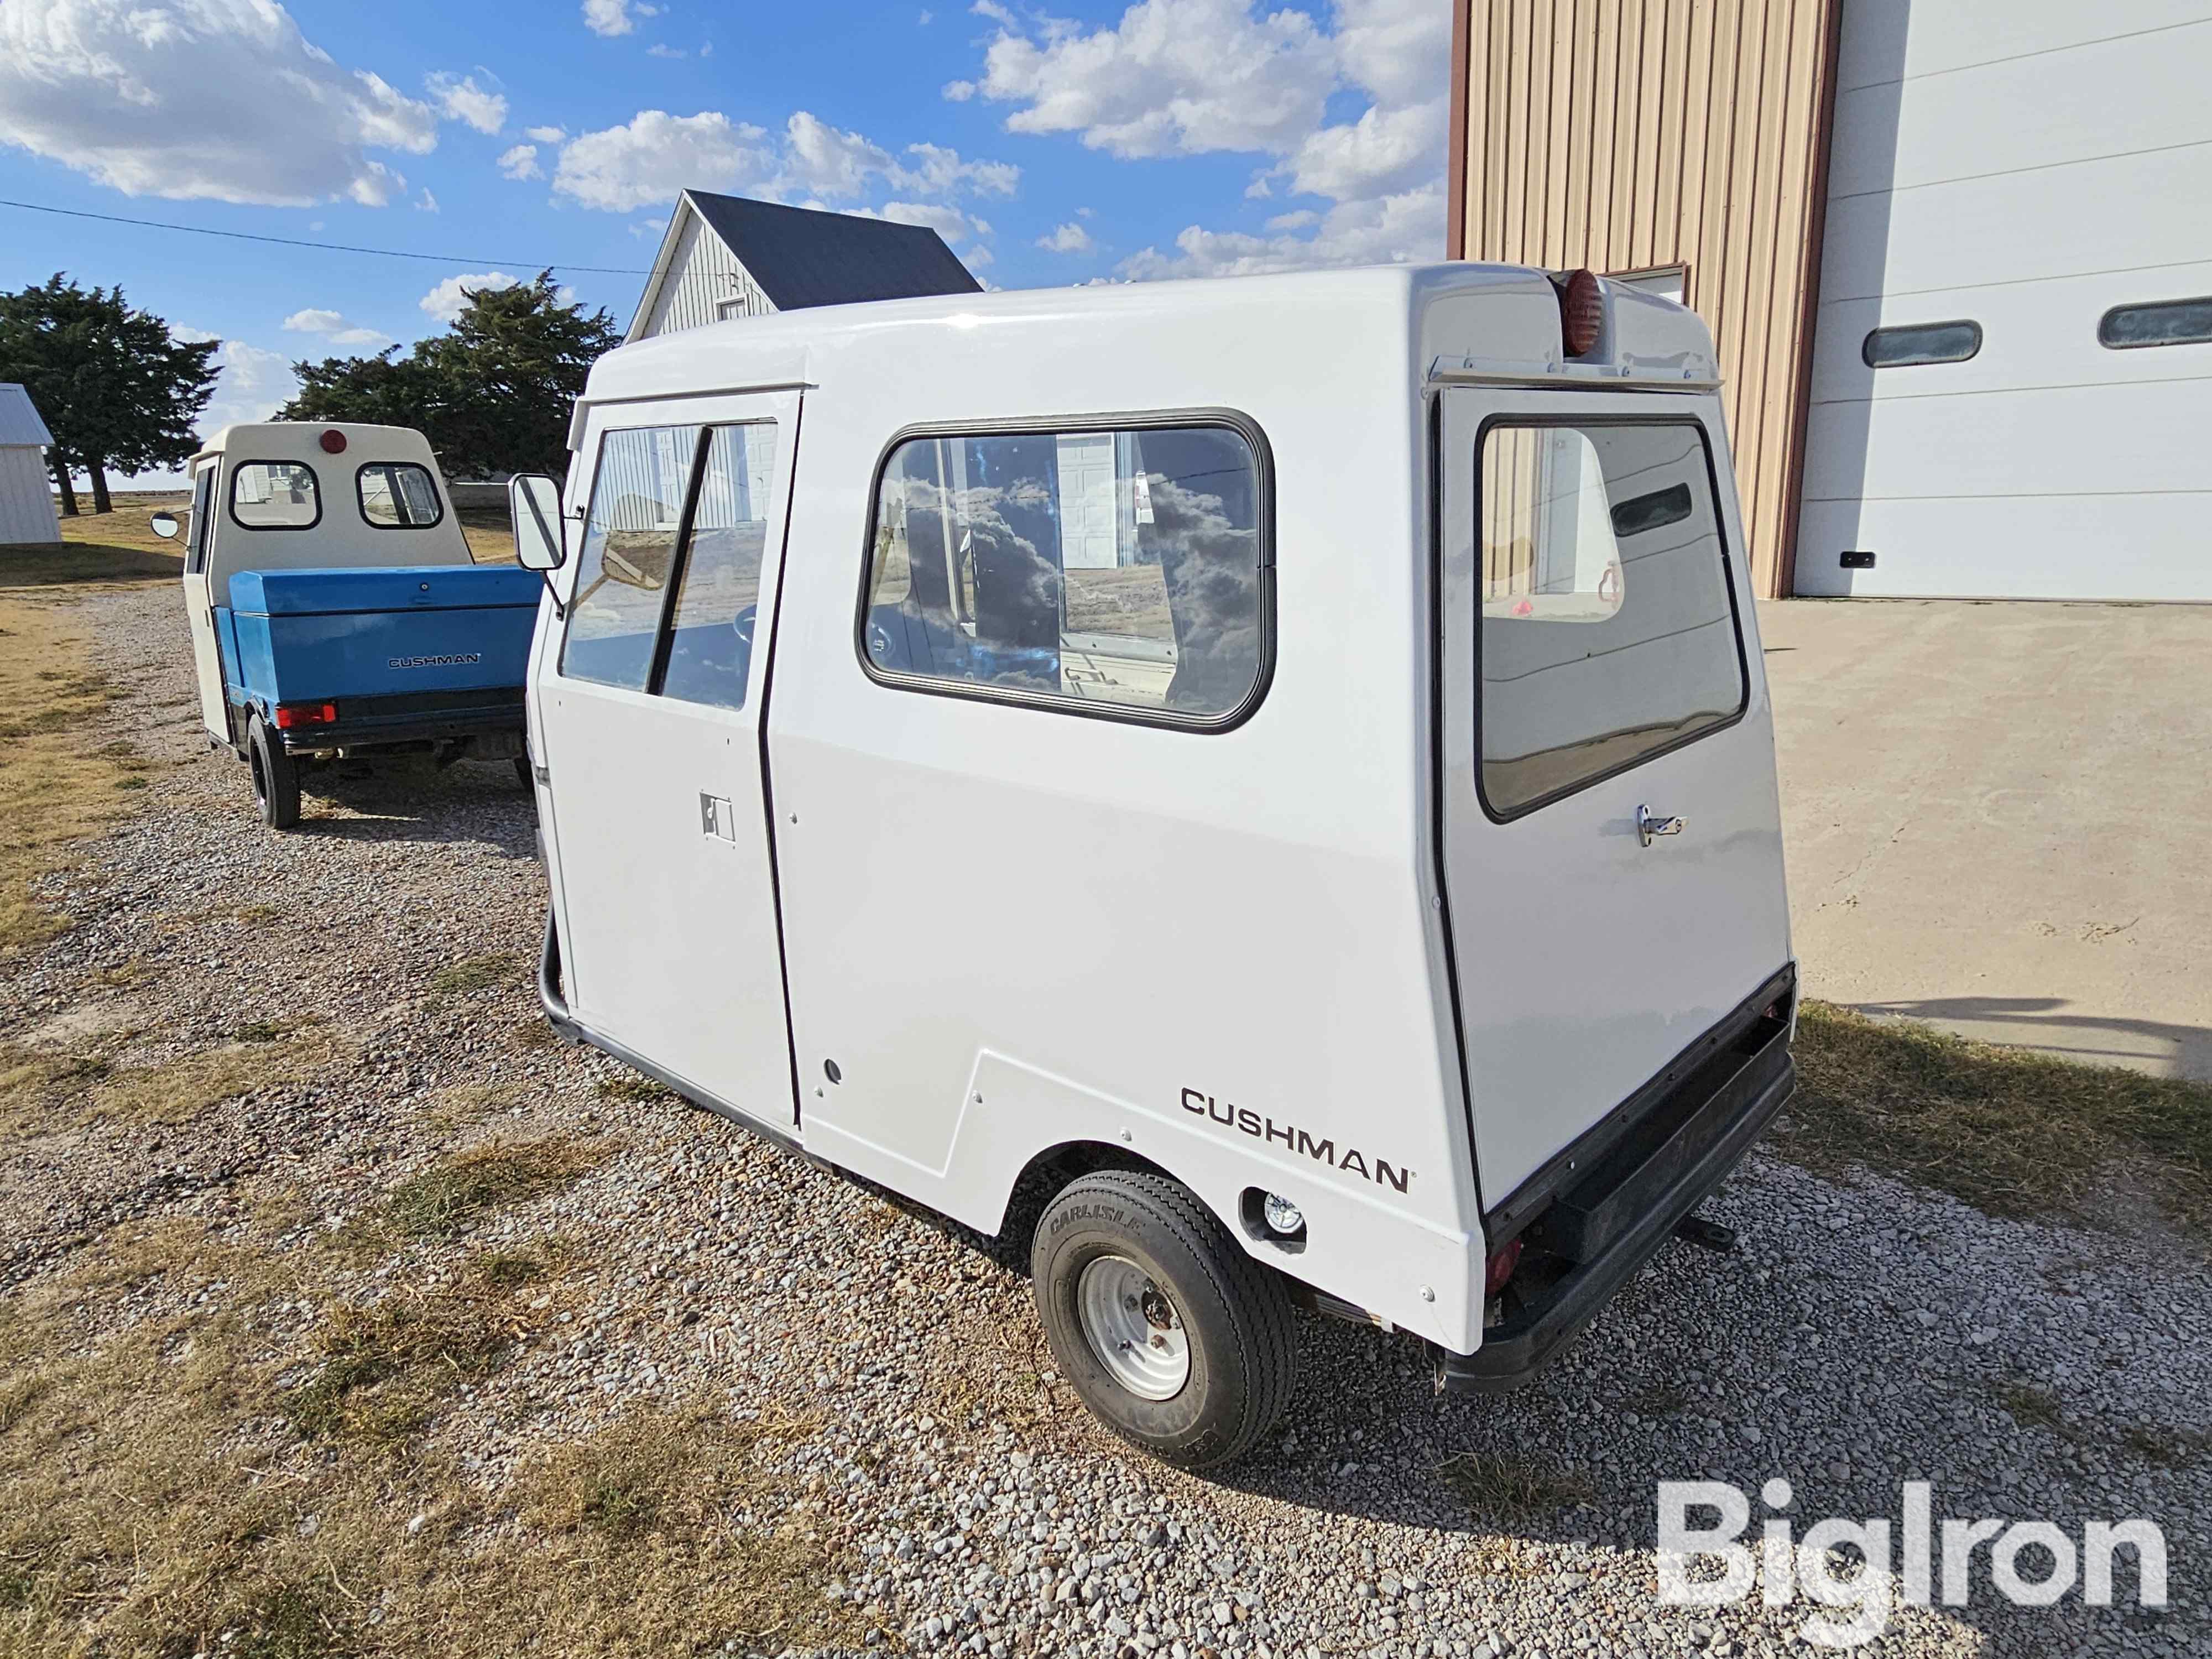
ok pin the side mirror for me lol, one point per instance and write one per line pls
(533, 501)
(163, 525)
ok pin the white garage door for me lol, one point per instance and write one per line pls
(2040, 170)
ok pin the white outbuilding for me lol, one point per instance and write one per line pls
(26, 504)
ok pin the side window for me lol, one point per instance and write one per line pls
(629, 552)
(274, 496)
(2172, 322)
(1921, 342)
(198, 533)
(399, 495)
(1121, 568)
(709, 651)
(1607, 630)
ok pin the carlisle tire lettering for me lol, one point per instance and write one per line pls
(1351, 1161)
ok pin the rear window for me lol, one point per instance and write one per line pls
(274, 496)
(1607, 630)
(399, 495)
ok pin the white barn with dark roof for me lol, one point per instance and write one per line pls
(727, 256)
(26, 504)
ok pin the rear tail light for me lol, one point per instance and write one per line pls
(291, 717)
(1582, 311)
(1503, 1261)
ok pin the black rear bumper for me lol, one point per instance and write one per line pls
(1603, 1208)
(413, 718)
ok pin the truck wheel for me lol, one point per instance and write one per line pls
(275, 778)
(1176, 1338)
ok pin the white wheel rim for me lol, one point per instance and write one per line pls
(1133, 1327)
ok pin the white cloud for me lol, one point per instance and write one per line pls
(995, 11)
(947, 222)
(544, 135)
(1070, 238)
(335, 328)
(1393, 228)
(251, 385)
(977, 257)
(662, 49)
(959, 91)
(463, 99)
(521, 162)
(926, 19)
(647, 161)
(217, 99)
(1188, 77)
(1173, 77)
(426, 202)
(444, 302)
(608, 17)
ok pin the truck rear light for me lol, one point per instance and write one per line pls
(1502, 1262)
(291, 717)
(1582, 311)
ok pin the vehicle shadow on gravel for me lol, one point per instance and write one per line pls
(469, 801)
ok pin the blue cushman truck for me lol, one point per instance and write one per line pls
(336, 613)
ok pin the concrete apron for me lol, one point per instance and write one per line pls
(1999, 818)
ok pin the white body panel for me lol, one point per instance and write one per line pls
(2026, 166)
(218, 544)
(1010, 927)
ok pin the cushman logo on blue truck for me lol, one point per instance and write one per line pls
(1260, 1127)
(460, 660)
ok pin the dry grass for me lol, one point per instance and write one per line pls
(473, 974)
(195, 1484)
(2010, 1132)
(55, 788)
(42, 1091)
(489, 533)
(1513, 1490)
(386, 1368)
(634, 1087)
(448, 1198)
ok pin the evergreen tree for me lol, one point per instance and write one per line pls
(492, 393)
(116, 387)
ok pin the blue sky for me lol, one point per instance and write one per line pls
(1175, 137)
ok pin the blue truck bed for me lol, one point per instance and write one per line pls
(363, 657)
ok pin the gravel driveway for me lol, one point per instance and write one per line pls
(1863, 1336)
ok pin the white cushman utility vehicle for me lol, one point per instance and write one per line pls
(1280, 765)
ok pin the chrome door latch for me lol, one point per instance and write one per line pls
(1648, 825)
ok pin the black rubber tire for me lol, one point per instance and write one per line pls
(1235, 1315)
(276, 777)
(523, 775)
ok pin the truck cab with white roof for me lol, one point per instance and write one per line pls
(1278, 769)
(336, 610)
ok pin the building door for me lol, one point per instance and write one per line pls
(2013, 358)
(646, 708)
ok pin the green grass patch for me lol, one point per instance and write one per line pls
(2009, 1132)
(1513, 1489)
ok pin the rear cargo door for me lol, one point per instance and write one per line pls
(199, 608)
(1610, 826)
(648, 702)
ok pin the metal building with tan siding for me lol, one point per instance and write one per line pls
(1956, 259)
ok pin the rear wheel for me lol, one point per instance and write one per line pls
(276, 777)
(1174, 1337)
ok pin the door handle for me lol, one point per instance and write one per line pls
(1648, 825)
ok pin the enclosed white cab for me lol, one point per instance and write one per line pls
(1283, 760)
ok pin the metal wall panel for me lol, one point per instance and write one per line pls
(27, 507)
(1628, 133)
(703, 275)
